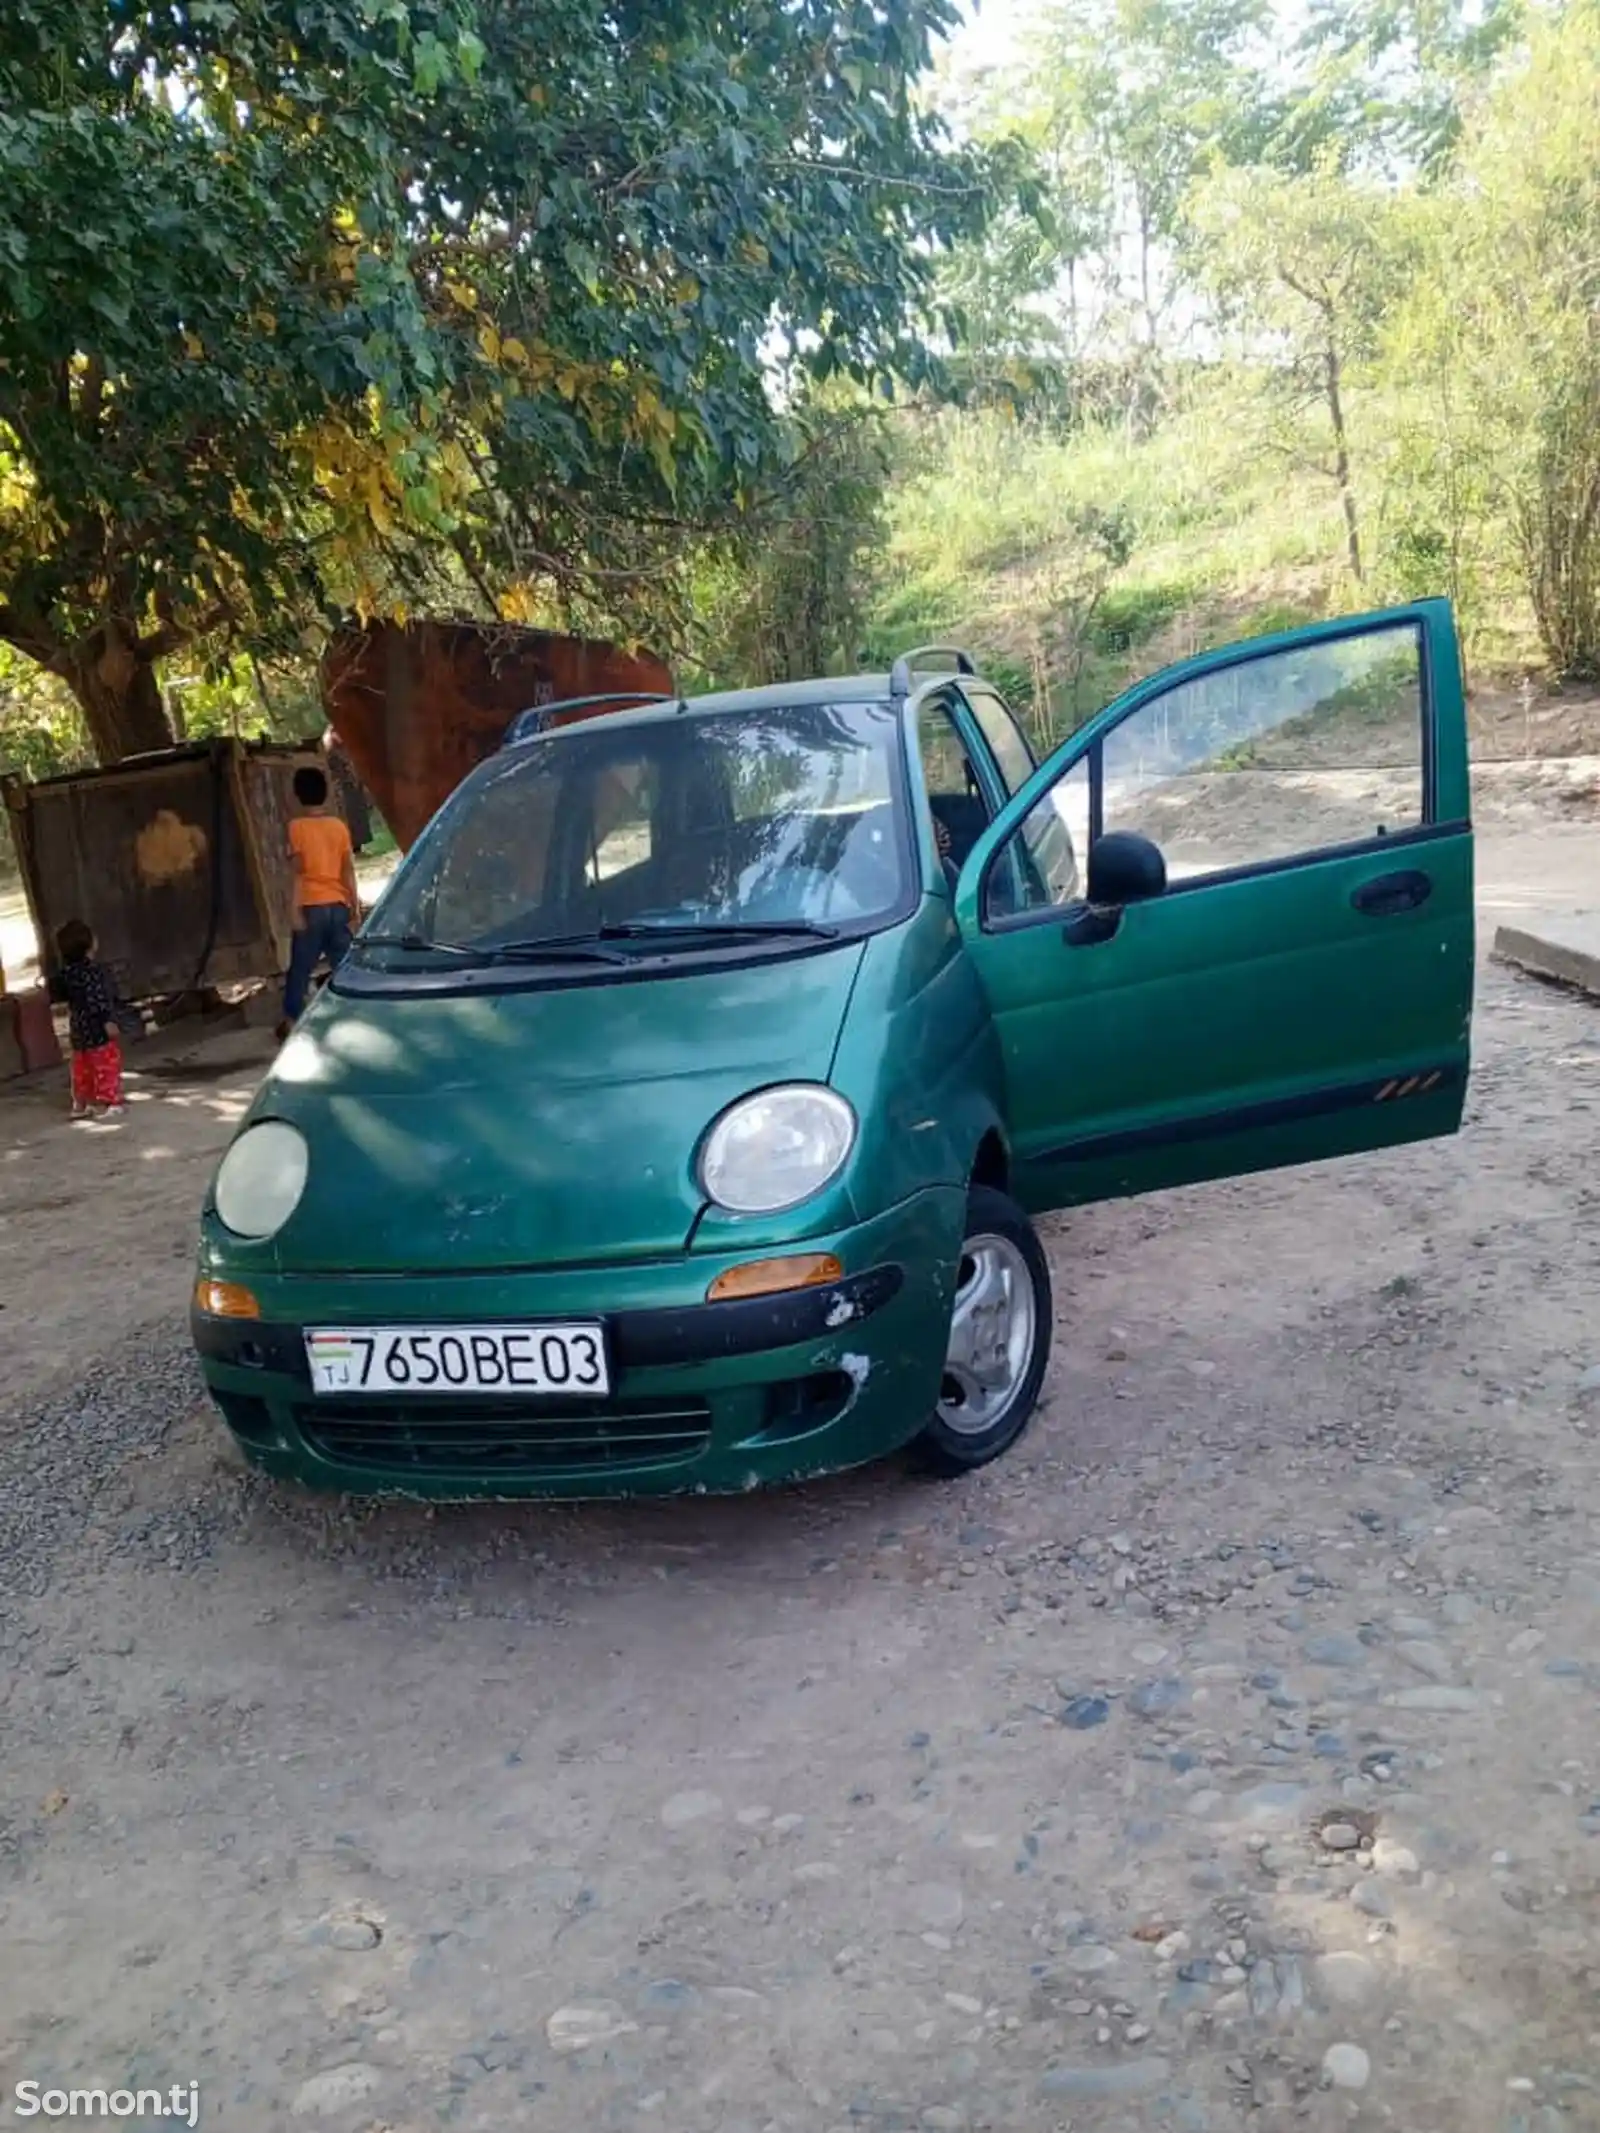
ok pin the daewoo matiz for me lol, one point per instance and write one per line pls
(677, 1119)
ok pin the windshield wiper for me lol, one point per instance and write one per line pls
(563, 948)
(595, 947)
(635, 929)
(416, 944)
(555, 948)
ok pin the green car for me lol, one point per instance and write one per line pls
(678, 1118)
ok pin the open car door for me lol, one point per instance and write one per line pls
(1229, 924)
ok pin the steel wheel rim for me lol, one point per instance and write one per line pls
(992, 1330)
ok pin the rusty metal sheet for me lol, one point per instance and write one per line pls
(418, 706)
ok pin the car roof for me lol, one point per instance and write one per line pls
(779, 695)
(773, 696)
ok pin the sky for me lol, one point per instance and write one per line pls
(991, 28)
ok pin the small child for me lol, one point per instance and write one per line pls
(324, 890)
(88, 991)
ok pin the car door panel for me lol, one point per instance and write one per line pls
(1274, 1014)
(1204, 972)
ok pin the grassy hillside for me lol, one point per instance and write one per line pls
(1073, 563)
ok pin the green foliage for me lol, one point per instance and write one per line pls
(1385, 241)
(576, 316)
(1269, 619)
(40, 731)
(789, 598)
(997, 290)
(1392, 75)
(1299, 257)
(314, 303)
(1046, 552)
(1119, 104)
(1500, 440)
(244, 697)
(1130, 615)
(1304, 263)
(991, 544)
(1155, 88)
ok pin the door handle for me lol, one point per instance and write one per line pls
(1389, 893)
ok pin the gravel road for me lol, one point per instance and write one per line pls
(1230, 1756)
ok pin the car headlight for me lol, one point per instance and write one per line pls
(775, 1149)
(260, 1179)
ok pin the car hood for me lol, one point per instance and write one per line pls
(534, 1128)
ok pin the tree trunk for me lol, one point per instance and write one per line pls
(117, 691)
(1333, 387)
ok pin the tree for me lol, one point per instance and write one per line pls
(790, 598)
(1157, 88)
(1013, 292)
(1304, 265)
(1397, 72)
(313, 303)
(995, 297)
(1504, 325)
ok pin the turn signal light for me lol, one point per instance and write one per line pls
(225, 1299)
(770, 1277)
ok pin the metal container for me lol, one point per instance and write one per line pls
(178, 861)
(419, 705)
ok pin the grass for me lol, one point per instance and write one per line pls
(1073, 564)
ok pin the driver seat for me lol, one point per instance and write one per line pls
(966, 818)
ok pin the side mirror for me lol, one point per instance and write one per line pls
(1125, 869)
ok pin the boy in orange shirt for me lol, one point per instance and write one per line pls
(324, 890)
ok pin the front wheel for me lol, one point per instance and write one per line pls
(999, 1339)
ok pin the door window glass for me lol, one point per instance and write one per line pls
(1301, 750)
(1315, 746)
(946, 767)
(1040, 864)
(955, 795)
(1010, 751)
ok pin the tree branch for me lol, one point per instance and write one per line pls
(1319, 300)
(819, 166)
(91, 394)
(172, 635)
(33, 637)
(468, 562)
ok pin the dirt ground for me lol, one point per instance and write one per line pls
(1229, 1756)
(1223, 818)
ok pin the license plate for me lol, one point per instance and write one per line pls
(476, 1359)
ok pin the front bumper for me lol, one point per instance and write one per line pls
(711, 1398)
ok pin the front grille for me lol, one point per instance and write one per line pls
(505, 1437)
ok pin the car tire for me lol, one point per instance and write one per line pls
(1000, 1324)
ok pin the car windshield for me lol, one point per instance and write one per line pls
(668, 831)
